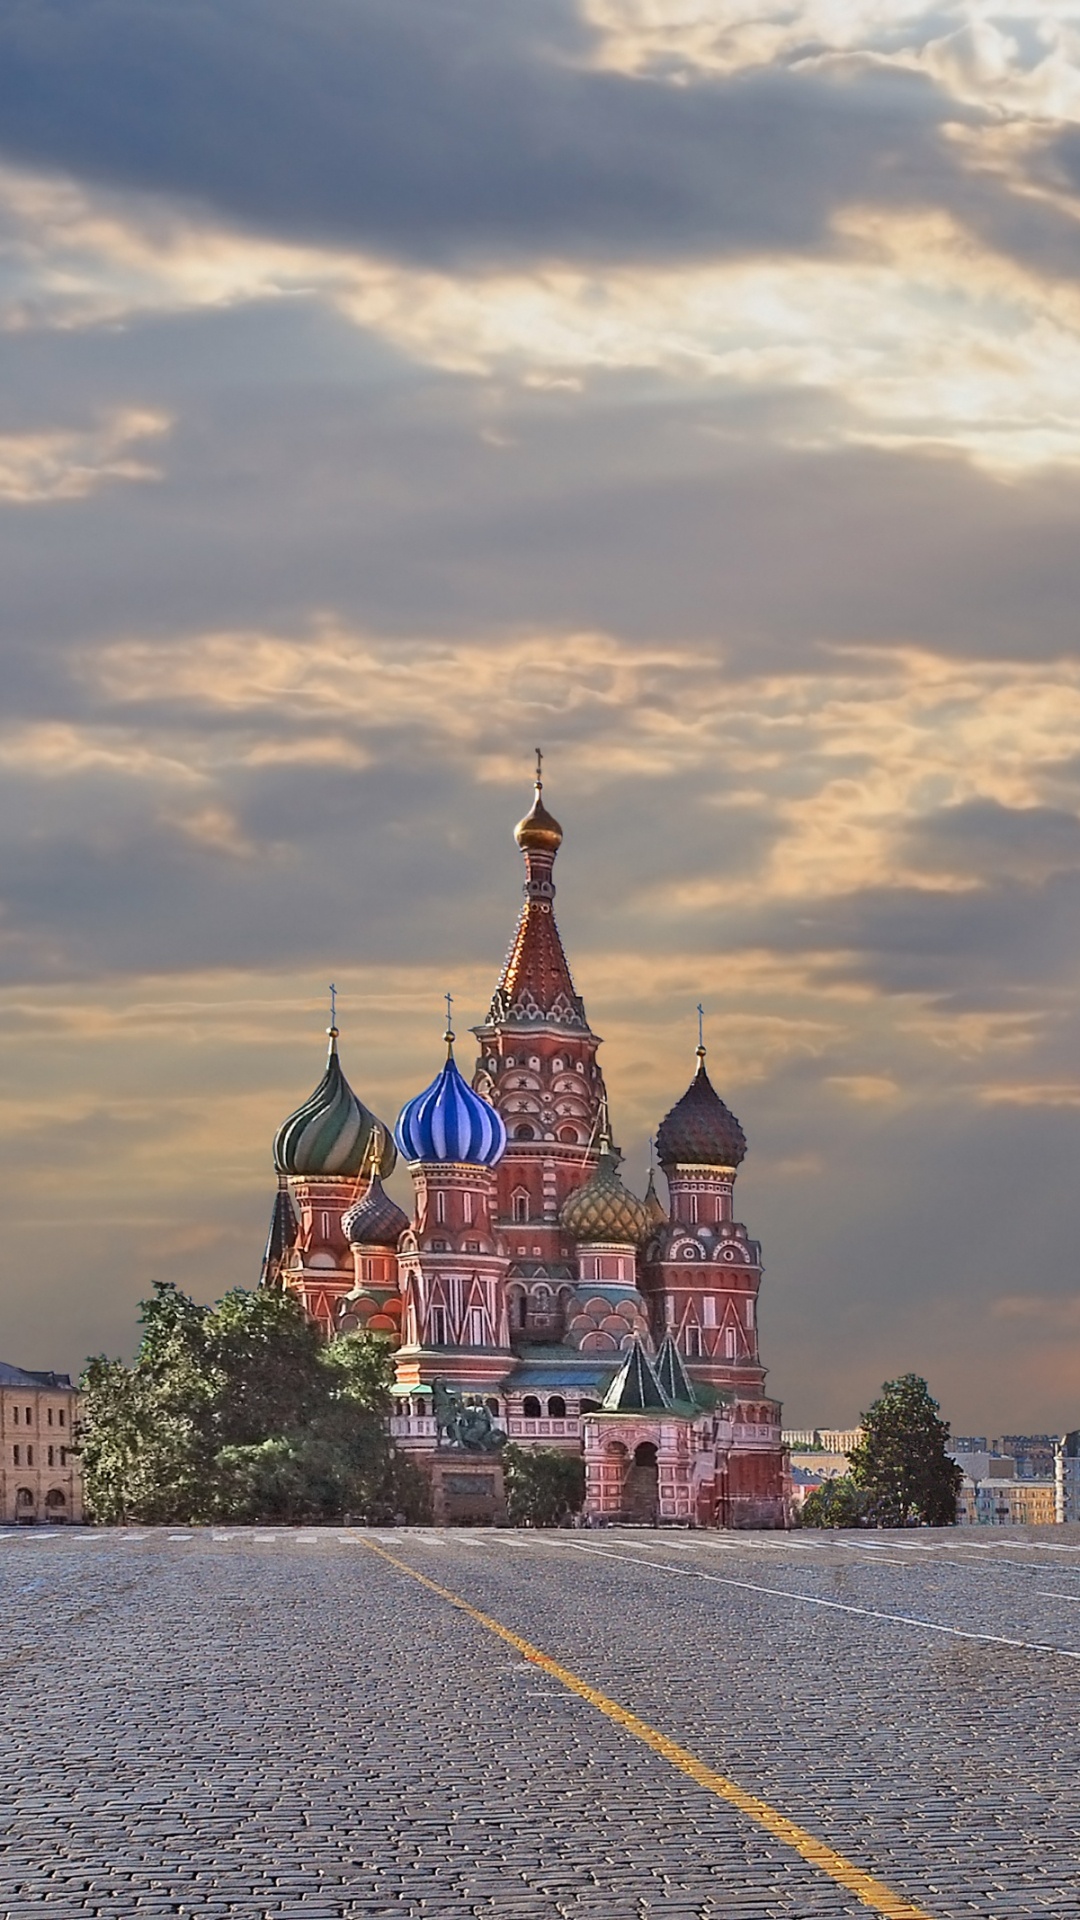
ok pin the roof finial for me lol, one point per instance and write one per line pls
(700, 1031)
(449, 1036)
(539, 770)
(332, 1029)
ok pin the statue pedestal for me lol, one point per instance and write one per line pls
(467, 1489)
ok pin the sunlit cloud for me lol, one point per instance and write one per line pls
(56, 464)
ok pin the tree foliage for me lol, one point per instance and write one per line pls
(238, 1412)
(901, 1463)
(543, 1485)
(836, 1503)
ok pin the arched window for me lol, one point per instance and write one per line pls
(556, 1407)
(24, 1497)
(54, 1499)
(530, 1407)
(519, 1204)
(524, 1133)
(492, 1406)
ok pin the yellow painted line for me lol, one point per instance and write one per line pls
(871, 1892)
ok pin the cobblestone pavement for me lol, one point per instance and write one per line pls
(250, 1724)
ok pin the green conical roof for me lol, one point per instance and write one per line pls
(635, 1388)
(672, 1375)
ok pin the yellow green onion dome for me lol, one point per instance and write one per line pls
(700, 1131)
(333, 1132)
(603, 1209)
(374, 1220)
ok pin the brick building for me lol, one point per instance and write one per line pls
(528, 1277)
(40, 1478)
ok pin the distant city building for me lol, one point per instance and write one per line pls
(1033, 1452)
(529, 1281)
(969, 1443)
(1007, 1502)
(1067, 1478)
(40, 1478)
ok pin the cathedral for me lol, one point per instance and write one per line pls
(530, 1285)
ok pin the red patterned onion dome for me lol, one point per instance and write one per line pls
(604, 1210)
(700, 1131)
(333, 1132)
(374, 1220)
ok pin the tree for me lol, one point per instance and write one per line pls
(543, 1485)
(239, 1412)
(901, 1463)
(836, 1503)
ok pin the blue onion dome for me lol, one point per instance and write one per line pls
(374, 1220)
(450, 1122)
(700, 1131)
(333, 1132)
(603, 1209)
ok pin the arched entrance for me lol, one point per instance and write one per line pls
(25, 1508)
(641, 1496)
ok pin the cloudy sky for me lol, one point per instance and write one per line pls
(694, 388)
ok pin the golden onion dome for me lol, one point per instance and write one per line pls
(604, 1210)
(539, 832)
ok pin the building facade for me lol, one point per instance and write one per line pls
(40, 1478)
(527, 1277)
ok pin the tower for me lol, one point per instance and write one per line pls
(324, 1154)
(703, 1273)
(452, 1269)
(537, 1065)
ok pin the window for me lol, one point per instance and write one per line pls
(749, 1313)
(16, 1456)
(466, 1208)
(52, 1451)
(692, 1213)
(28, 1416)
(492, 1406)
(472, 1246)
(519, 1204)
(61, 1416)
(63, 1456)
(476, 1327)
(50, 1416)
(29, 1456)
(556, 1407)
(14, 1416)
(729, 1342)
(440, 1208)
(530, 1407)
(326, 1226)
(710, 1310)
(693, 1343)
(524, 1133)
(523, 1312)
(438, 1326)
(439, 1246)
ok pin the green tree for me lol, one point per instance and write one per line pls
(239, 1412)
(836, 1503)
(901, 1463)
(543, 1485)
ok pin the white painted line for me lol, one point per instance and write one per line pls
(831, 1606)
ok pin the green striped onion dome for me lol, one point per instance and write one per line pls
(333, 1132)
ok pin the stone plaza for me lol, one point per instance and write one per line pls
(552, 1726)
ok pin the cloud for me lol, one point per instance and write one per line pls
(352, 124)
(57, 464)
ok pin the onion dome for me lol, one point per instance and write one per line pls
(603, 1209)
(374, 1220)
(700, 1131)
(333, 1132)
(450, 1122)
(539, 832)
